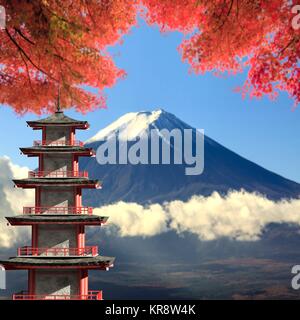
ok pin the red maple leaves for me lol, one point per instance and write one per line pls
(229, 36)
(51, 43)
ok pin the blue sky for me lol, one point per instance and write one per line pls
(266, 132)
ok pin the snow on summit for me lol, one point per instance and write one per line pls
(134, 123)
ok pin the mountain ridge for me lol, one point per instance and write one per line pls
(224, 170)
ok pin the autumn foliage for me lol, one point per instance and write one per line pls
(51, 44)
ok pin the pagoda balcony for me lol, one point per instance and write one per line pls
(28, 251)
(91, 295)
(58, 174)
(58, 143)
(58, 210)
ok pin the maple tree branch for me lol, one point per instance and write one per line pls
(26, 55)
(294, 39)
(227, 15)
(89, 11)
(23, 36)
(28, 74)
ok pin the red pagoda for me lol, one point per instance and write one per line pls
(58, 259)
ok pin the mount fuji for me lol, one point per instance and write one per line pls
(224, 170)
(181, 266)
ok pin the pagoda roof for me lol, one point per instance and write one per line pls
(36, 150)
(58, 118)
(97, 262)
(57, 219)
(59, 182)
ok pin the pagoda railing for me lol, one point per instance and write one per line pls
(58, 143)
(91, 295)
(58, 251)
(58, 210)
(58, 174)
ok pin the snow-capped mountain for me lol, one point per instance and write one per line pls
(224, 170)
(133, 124)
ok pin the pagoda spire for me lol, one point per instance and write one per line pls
(58, 100)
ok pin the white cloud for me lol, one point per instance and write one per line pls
(132, 219)
(240, 216)
(12, 201)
